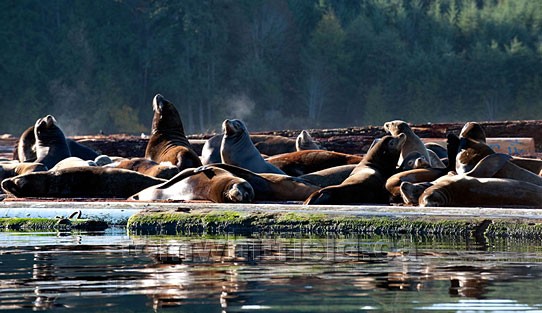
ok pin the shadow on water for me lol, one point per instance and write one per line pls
(113, 272)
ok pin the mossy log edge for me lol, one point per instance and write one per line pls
(153, 222)
(50, 224)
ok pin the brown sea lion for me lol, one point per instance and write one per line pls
(79, 182)
(499, 165)
(308, 161)
(533, 165)
(168, 142)
(273, 144)
(271, 186)
(407, 186)
(237, 149)
(147, 167)
(366, 183)
(51, 146)
(462, 190)
(472, 147)
(413, 142)
(304, 141)
(329, 176)
(11, 169)
(202, 183)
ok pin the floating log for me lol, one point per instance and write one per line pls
(353, 140)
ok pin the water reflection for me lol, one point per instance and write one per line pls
(114, 272)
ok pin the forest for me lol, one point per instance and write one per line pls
(276, 64)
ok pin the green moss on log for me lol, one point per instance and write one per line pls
(43, 224)
(217, 221)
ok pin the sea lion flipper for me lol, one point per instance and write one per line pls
(489, 165)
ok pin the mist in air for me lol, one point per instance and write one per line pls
(276, 64)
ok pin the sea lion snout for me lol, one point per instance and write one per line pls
(230, 127)
(241, 192)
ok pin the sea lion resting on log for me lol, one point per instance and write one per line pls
(202, 183)
(148, 167)
(79, 182)
(366, 183)
(462, 190)
(307, 161)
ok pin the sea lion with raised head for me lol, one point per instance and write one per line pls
(50, 146)
(304, 141)
(413, 142)
(167, 142)
(472, 147)
(202, 183)
(366, 183)
(237, 149)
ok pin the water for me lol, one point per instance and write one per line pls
(113, 272)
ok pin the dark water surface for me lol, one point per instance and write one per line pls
(113, 272)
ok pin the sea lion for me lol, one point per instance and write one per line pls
(413, 142)
(25, 151)
(533, 165)
(271, 186)
(273, 144)
(439, 150)
(472, 147)
(462, 190)
(11, 169)
(51, 146)
(366, 183)
(307, 161)
(499, 165)
(81, 151)
(407, 186)
(329, 176)
(79, 182)
(210, 152)
(72, 162)
(414, 160)
(202, 183)
(304, 141)
(168, 142)
(237, 149)
(147, 167)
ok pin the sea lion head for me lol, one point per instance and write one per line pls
(304, 141)
(387, 149)
(414, 160)
(233, 128)
(46, 130)
(473, 131)
(410, 193)
(396, 127)
(165, 116)
(434, 197)
(28, 185)
(239, 192)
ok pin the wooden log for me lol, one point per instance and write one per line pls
(353, 140)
